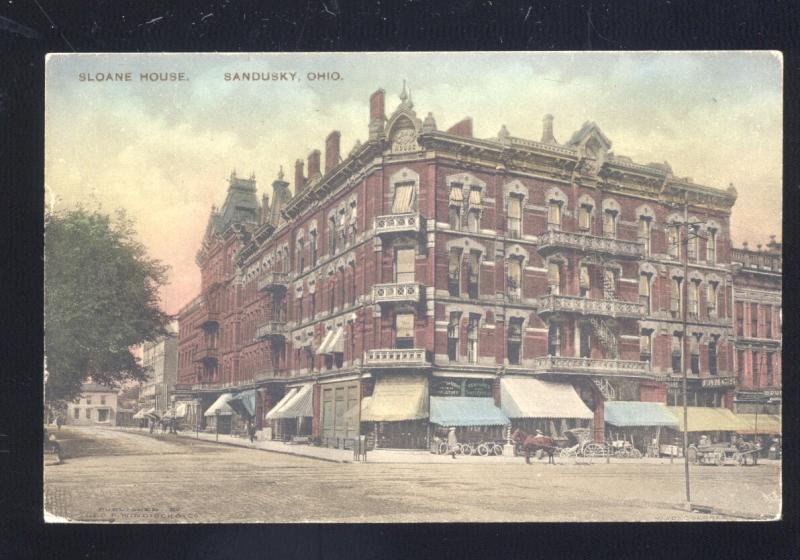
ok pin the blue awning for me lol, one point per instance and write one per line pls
(244, 403)
(466, 411)
(635, 413)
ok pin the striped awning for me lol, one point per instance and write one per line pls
(297, 403)
(466, 411)
(333, 343)
(634, 413)
(220, 406)
(767, 424)
(708, 419)
(244, 403)
(395, 399)
(524, 397)
(326, 340)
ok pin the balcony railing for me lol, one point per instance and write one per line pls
(208, 318)
(204, 354)
(396, 358)
(398, 223)
(272, 280)
(271, 329)
(554, 240)
(607, 367)
(554, 303)
(402, 292)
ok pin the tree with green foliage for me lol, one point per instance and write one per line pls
(101, 300)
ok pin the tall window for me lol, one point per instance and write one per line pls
(332, 236)
(711, 247)
(767, 321)
(76, 413)
(739, 310)
(554, 215)
(676, 297)
(585, 217)
(554, 340)
(694, 299)
(515, 277)
(554, 277)
(677, 353)
(404, 327)
(712, 356)
(645, 226)
(645, 345)
(695, 358)
(454, 272)
(301, 255)
(473, 274)
(514, 216)
(693, 244)
(403, 198)
(473, 328)
(610, 281)
(313, 243)
(610, 223)
(756, 371)
(585, 281)
(514, 341)
(711, 299)
(673, 241)
(740, 366)
(452, 335)
(644, 290)
(770, 380)
(454, 217)
(754, 320)
(473, 220)
(585, 340)
(352, 227)
(404, 265)
(88, 413)
(455, 202)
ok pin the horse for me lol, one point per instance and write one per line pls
(535, 443)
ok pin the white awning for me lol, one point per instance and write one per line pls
(221, 405)
(523, 397)
(395, 399)
(299, 406)
(282, 403)
(334, 343)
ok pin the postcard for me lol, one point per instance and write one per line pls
(413, 287)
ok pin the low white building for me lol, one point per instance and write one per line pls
(97, 405)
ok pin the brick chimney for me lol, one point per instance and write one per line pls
(462, 128)
(377, 114)
(313, 164)
(547, 130)
(299, 179)
(332, 150)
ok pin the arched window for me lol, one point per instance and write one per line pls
(554, 277)
(515, 277)
(554, 215)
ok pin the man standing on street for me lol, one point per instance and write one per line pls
(251, 430)
(452, 441)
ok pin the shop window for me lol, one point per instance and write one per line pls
(676, 297)
(739, 310)
(711, 300)
(585, 217)
(711, 247)
(754, 320)
(554, 340)
(515, 216)
(473, 274)
(610, 223)
(404, 329)
(554, 277)
(514, 341)
(452, 335)
(554, 215)
(454, 272)
(404, 265)
(515, 277)
(585, 281)
(676, 354)
(673, 241)
(473, 328)
(645, 227)
(644, 290)
(645, 345)
(403, 198)
(694, 299)
(712, 356)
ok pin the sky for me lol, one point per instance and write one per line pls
(163, 150)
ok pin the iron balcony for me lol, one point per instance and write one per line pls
(402, 292)
(554, 303)
(396, 358)
(398, 223)
(271, 329)
(598, 366)
(555, 240)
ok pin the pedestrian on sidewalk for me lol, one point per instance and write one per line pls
(59, 421)
(251, 430)
(452, 441)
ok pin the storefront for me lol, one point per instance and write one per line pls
(719, 424)
(219, 415)
(476, 419)
(291, 416)
(534, 404)
(639, 424)
(340, 405)
(395, 416)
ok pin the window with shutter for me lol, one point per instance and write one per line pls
(404, 265)
(554, 214)
(456, 194)
(475, 197)
(454, 272)
(403, 198)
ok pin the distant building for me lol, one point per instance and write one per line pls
(757, 284)
(97, 405)
(160, 358)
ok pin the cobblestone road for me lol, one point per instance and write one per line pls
(127, 477)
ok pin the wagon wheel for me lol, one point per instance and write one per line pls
(457, 448)
(498, 449)
(442, 448)
(466, 449)
(739, 458)
(483, 450)
(636, 454)
(594, 450)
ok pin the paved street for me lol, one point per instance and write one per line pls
(112, 475)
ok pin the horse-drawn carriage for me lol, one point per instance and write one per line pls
(473, 444)
(724, 454)
(585, 446)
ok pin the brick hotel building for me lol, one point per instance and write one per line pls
(431, 275)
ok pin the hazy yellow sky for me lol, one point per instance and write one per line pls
(163, 151)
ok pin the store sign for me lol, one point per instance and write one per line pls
(718, 382)
(445, 387)
(751, 397)
(774, 393)
(478, 388)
